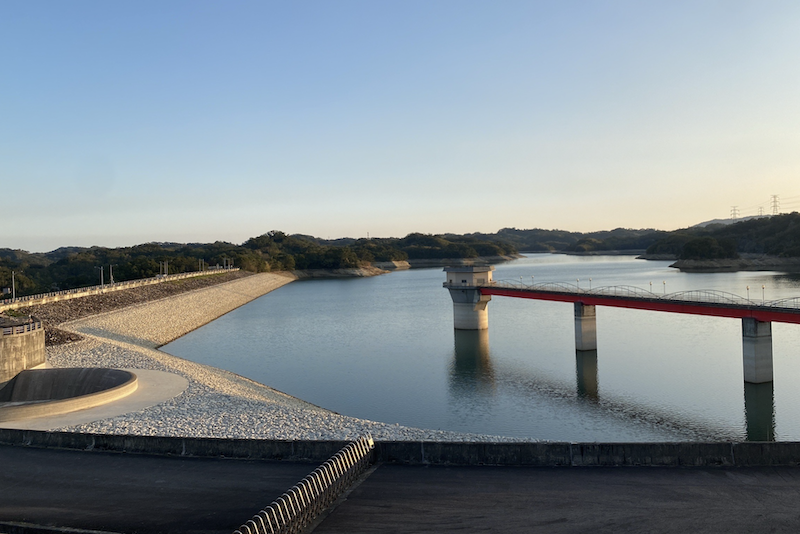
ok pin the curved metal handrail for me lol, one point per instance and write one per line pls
(711, 296)
(624, 291)
(700, 296)
(297, 508)
(792, 303)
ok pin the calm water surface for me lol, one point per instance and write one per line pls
(384, 348)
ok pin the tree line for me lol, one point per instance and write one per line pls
(777, 235)
(72, 267)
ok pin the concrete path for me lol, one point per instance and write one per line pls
(402, 499)
(154, 388)
(137, 493)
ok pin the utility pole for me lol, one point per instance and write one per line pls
(775, 203)
(111, 274)
(13, 286)
(734, 212)
(101, 275)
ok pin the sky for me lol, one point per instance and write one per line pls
(196, 121)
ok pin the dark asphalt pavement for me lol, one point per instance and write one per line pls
(402, 499)
(145, 494)
(135, 493)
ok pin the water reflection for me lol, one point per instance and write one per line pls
(759, 411)
(472, 370)
(586, 373)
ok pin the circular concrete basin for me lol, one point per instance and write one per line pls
(43, 392)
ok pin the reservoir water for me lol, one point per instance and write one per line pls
(384, 348)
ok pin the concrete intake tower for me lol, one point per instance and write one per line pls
(469, 306)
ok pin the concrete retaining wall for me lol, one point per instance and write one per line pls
(39, 392)
(56, 384)
(433, 453)
(312, 451)
(581, 454)
(20, 351)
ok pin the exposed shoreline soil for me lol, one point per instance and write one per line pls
(760, 263)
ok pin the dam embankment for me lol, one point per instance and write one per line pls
(216, 404)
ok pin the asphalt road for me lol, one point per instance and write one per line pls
(401, 499)
(116, 492)
(134, 493)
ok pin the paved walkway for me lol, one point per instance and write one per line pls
(147, 494)
(402, 499)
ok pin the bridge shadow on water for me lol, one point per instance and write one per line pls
(586, 374)
(759, 411)
(473, 373)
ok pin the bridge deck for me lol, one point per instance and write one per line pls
(769, 312)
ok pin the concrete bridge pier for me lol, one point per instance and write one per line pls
(585, 327)
(469, 306)
(757, 350)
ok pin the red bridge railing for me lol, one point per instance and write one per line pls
(695, 302)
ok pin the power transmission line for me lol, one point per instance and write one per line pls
(734, 212)
(775, 203)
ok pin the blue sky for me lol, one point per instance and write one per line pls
(127, 122)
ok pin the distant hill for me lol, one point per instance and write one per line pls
(540, 240)
(726, 222)
(71, 267)
(776, 235)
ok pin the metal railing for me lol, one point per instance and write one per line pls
(35, 324)
(701, 296)
(298, 507)
(31, 300)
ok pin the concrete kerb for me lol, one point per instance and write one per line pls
(312, 451)
(538, 454)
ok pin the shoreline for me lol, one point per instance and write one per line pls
(745, 263)
(217, 403)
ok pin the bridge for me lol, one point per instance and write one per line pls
(472, 287)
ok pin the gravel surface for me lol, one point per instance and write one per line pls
(217, 403)
(55, 313)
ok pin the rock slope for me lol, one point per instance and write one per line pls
(217, 403)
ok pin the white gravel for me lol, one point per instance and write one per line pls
(217, 403)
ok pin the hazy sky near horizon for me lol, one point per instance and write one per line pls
(128, 122)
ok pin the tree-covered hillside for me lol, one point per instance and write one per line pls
(778, 235)
(539, 240)
(72, 267)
